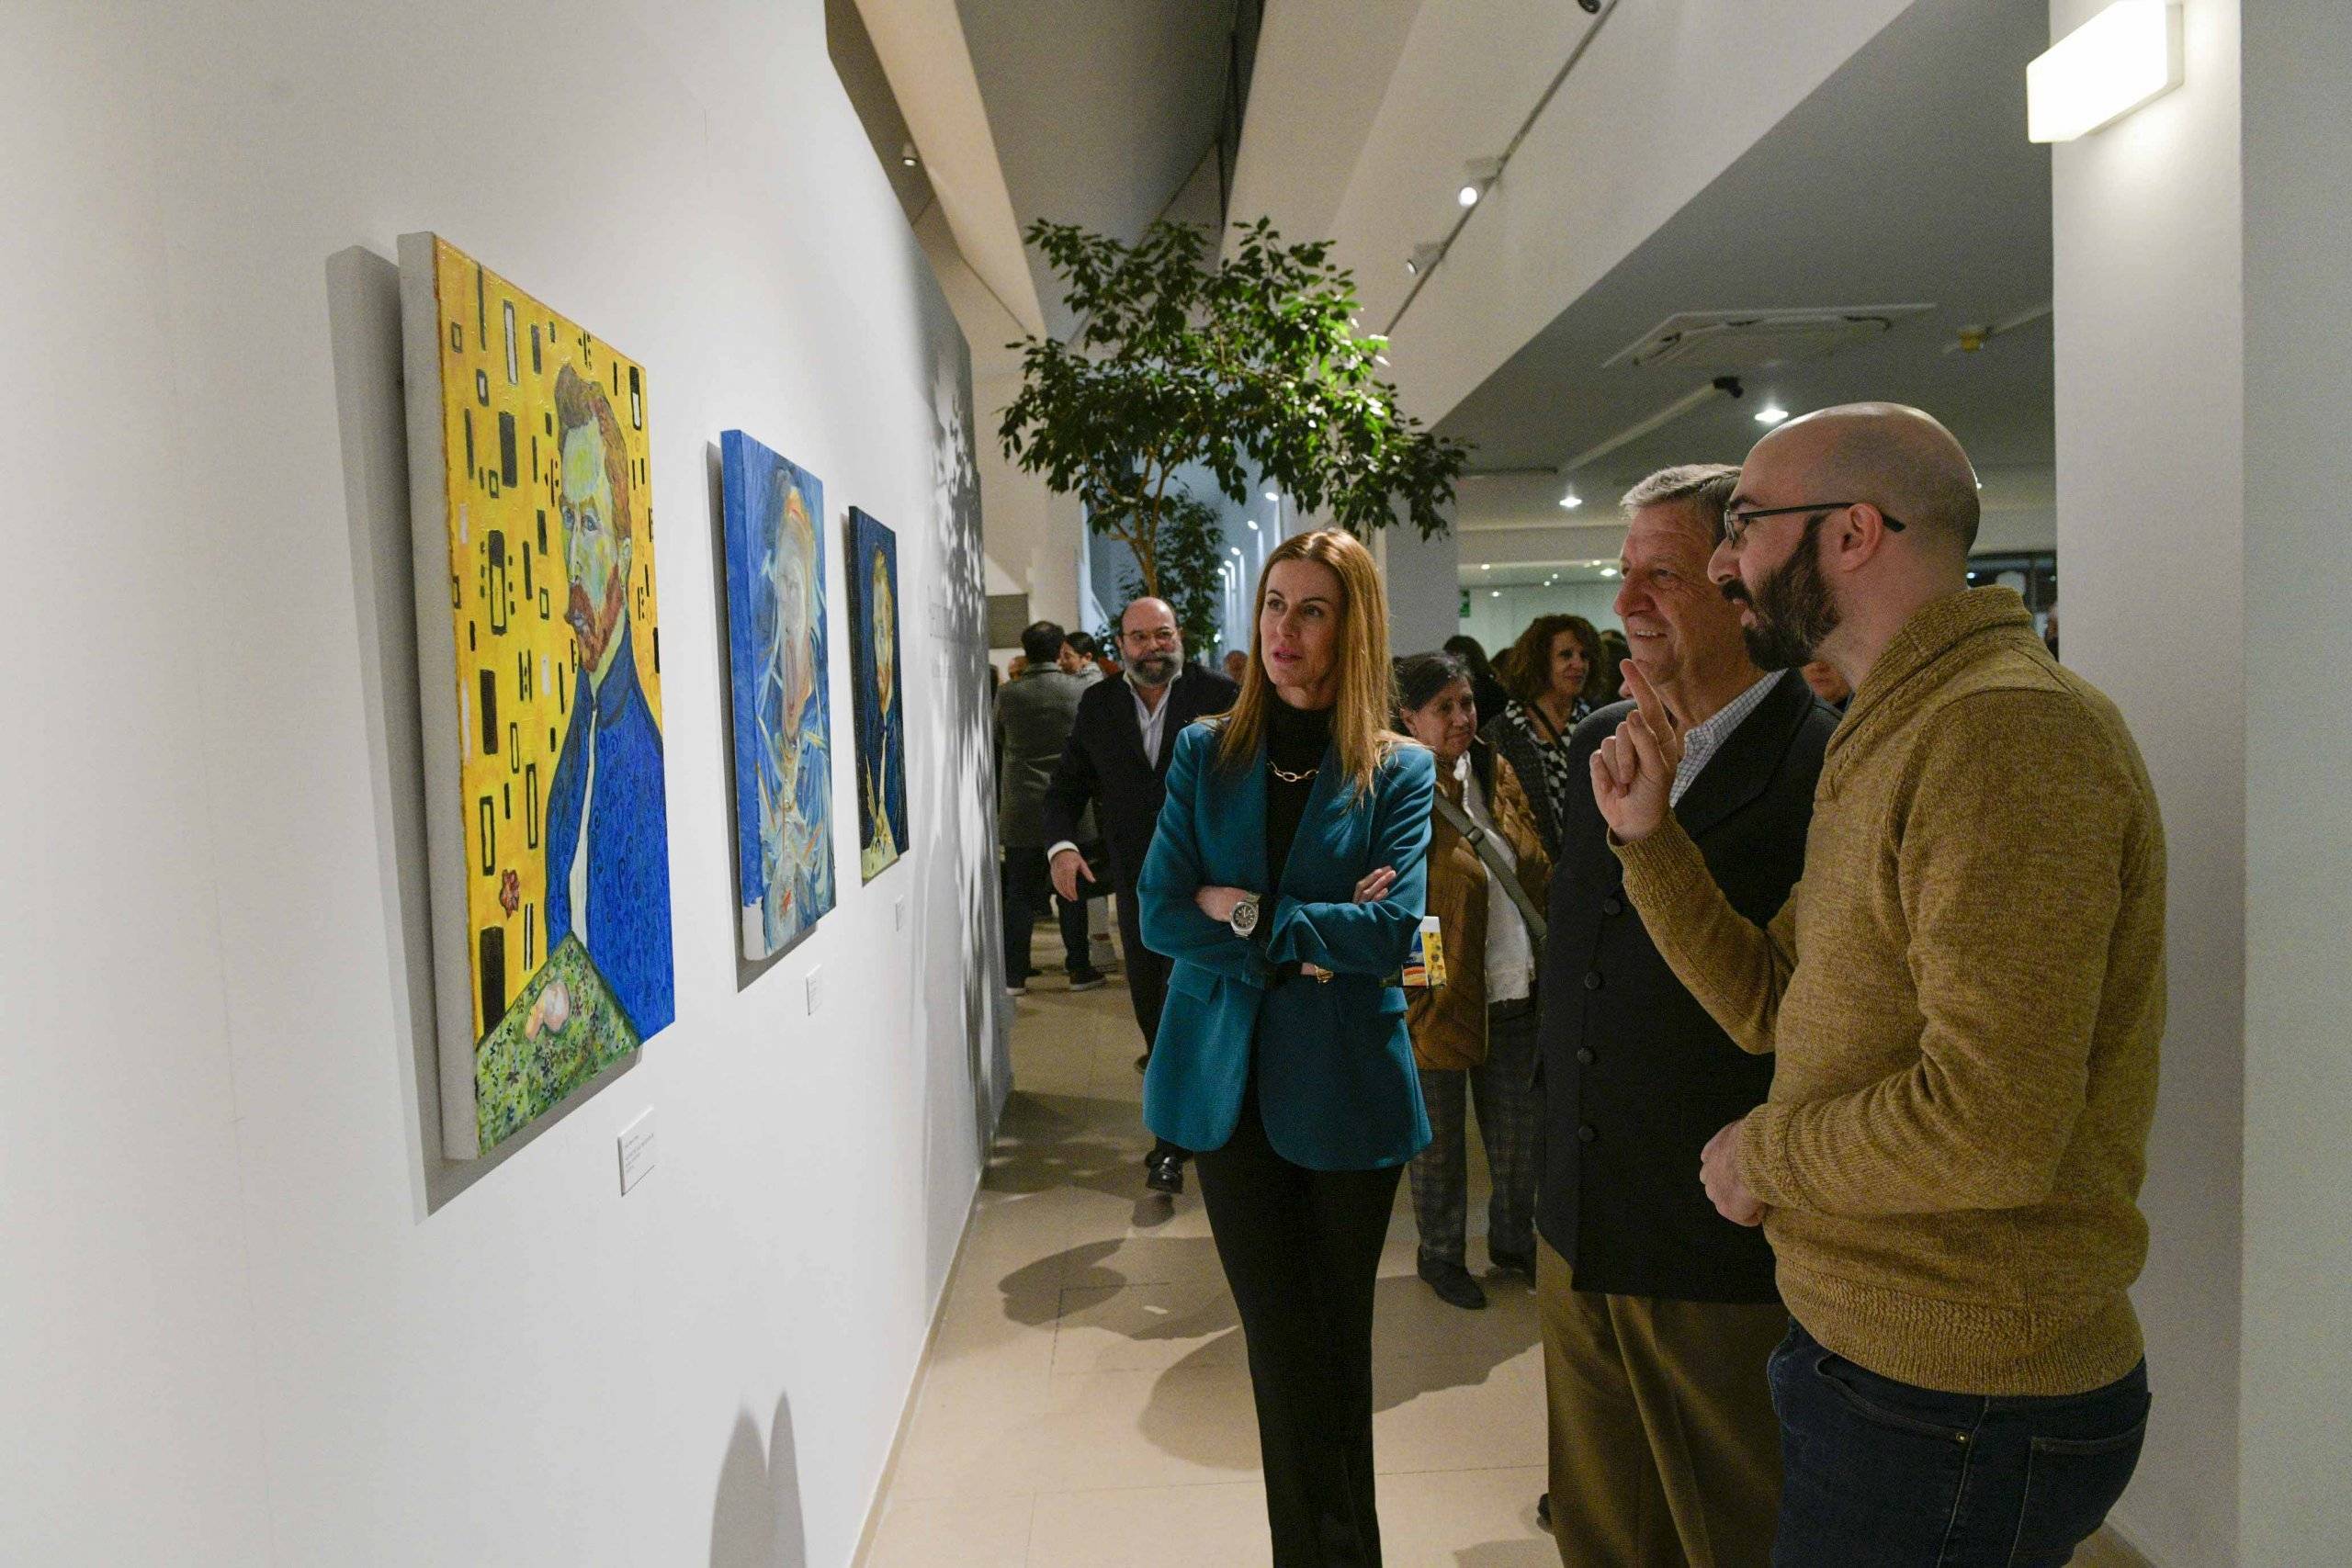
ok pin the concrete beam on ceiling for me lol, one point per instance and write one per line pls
(1318, 82)
(922, 49)
(1610, 159)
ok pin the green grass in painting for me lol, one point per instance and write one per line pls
(563, 1029)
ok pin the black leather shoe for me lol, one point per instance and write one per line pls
(1520, 1263)
(1544, 1513)
(1454, 1285)
(1164, 1173)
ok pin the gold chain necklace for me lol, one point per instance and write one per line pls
(1287, 776)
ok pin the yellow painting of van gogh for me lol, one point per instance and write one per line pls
(558, 702)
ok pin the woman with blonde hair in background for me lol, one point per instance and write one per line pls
(1550, 671)
(1285, 879)
(1489, 877)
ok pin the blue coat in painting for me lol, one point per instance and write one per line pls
(628, 916)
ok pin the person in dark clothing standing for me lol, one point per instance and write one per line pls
(1033, 715)
(1658, 1313)
(1286, 880)
(1117, 762)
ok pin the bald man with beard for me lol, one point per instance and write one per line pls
(1964, 993)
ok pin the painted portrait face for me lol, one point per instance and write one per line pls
(886, 620)
(793, 571)
(595, 558)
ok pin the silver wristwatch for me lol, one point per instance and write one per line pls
(1244, 918)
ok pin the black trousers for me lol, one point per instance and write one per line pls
(1028, 884)
(1147, 988)
(1301, 1250)
(1147, 970)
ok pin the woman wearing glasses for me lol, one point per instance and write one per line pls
(1286, 880)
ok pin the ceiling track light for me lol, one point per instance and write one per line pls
(907, 154)
(1423, 258)
(1478, 175)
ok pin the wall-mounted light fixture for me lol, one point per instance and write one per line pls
(2126, 54)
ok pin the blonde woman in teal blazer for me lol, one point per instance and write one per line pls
(1285, 879)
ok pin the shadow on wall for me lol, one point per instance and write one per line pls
(755, 1520)
(953, 785)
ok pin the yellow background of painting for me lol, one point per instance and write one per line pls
(470, 297)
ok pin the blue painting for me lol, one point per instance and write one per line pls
(776, 633)
(881, 722)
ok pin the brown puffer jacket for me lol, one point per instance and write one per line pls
(1449, 1022)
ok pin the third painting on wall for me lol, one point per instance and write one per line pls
(775, 619)
(881, 730)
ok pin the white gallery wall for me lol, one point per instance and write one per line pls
(2200, 315)
(2151, 473)
(248, 1316)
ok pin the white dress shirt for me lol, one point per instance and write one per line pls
(1152, 722)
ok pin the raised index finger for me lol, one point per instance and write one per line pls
(1647, 699)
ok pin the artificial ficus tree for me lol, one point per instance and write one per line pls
(1234, 363)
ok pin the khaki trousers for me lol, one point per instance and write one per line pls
(1665, 1451)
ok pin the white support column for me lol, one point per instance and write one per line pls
(2150, 403)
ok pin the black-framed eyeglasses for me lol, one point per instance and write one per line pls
(1735, 523)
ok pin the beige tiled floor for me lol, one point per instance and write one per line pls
(1087, 1402)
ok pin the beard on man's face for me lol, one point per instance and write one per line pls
(1153, 669)
(1795, 611)
(593, 624)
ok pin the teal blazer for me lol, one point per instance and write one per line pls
(1337, 1089)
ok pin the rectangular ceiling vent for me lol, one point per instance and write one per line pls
(1741, 339)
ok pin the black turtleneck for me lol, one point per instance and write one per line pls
(1298, 741)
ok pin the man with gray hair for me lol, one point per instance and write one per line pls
(1658, 1314)
(1965, 1001)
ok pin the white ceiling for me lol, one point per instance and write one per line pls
(1102, 110)
(1906, 177)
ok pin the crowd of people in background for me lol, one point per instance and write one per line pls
(1798, 948)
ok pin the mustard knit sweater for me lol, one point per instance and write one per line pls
(1965, 992)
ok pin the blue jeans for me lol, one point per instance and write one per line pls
(1878, 1473)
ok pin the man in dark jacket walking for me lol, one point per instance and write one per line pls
(1116, 760)
(1658, 1314)
(1033, 715)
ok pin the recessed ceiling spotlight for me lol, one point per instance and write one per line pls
(1571, 501)
(1608, 571)
(1771, 413)
(1494, 594)
(907, 154)
(1273, 495)
(1486, 566)
(1467, 196)
(1253, 525)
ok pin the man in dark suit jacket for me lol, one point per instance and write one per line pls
(1033, 715)
(1116, 759)
(1658, 1314)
